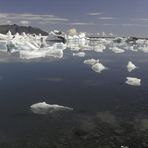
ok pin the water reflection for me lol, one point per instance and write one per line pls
(107, 112)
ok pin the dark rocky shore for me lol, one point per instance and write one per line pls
(19, 29)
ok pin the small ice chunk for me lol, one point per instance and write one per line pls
(133, 81)
(99, 48)
(130, 66)
(79, 54)
(145, 49)
(117, 50)
(44, 108)
(91, 61)
(98, 67)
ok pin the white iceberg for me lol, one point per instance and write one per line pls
(3, 45)
(61, 46)
(56, 53)
(99, 48)
(79, 54)
(47, 52)
(44, 108)
(145, 49)
(117, 50)
(98, 67)
(133, 81)
(91, 61)
(31, 54)
(131, 66)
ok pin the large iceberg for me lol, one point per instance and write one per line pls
(133, 81)
(44, 108)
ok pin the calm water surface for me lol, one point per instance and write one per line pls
(107, 112)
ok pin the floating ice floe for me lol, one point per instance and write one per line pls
(79, 54)
(91, 61)
(48, 52)
(99, 48)
(98, 67)
(44, 108)
(117, 50)
(131, 66)
(144, 49)
(133, 81)
(31, 54)
(61, 46)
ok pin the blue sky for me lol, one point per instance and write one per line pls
(121, 17)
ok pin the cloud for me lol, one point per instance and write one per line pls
(18, 17)
(125, 25)
(81, 24)
(106, 18)
(139, 19)
(44, 108)
(95, 13)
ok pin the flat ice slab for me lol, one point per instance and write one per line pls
(133, 81)
(44, 108)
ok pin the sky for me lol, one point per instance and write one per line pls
(120, 17)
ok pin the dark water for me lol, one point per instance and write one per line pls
(107, 112)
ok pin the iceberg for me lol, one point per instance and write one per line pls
(130, 66)
(79, 54)
(145, 49)
(99, 48)
(47, 52)
(56, 53)
(133, 81)
(31, 54)
(98, 67)
(44, 108)
(117, 50)
(91, 61)
(3, 45)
